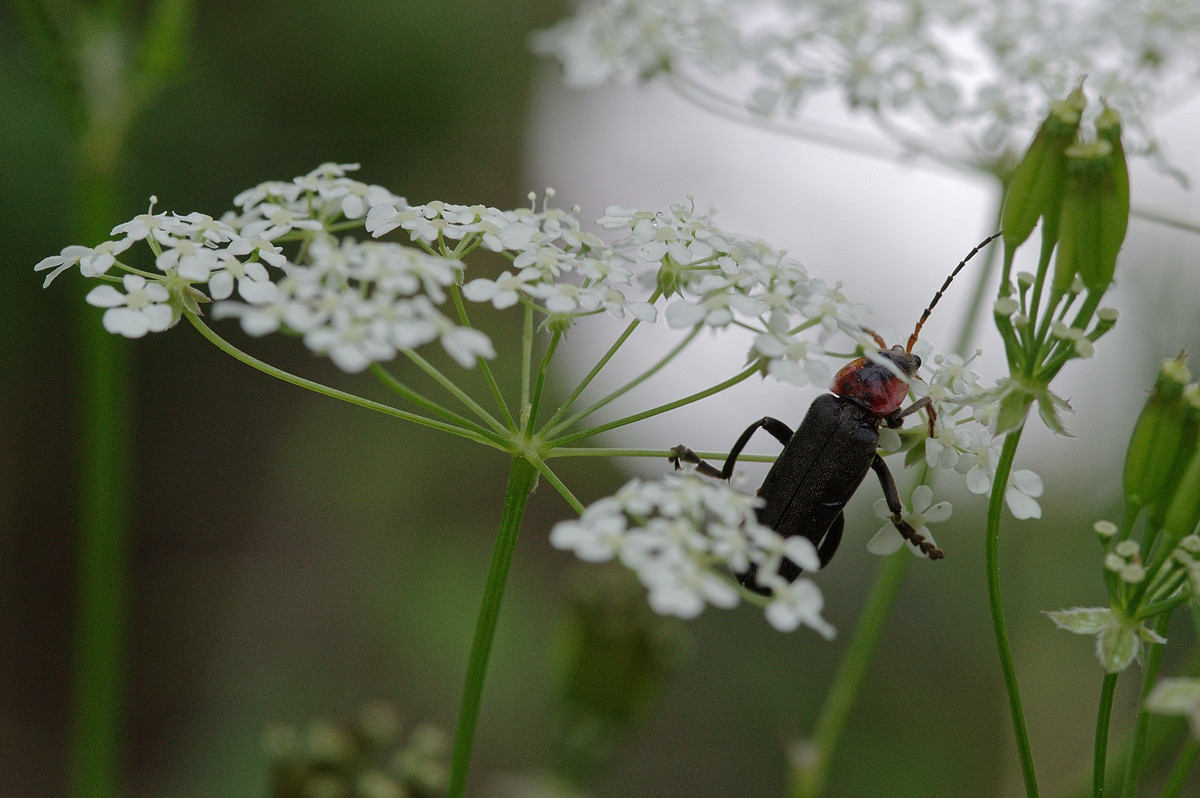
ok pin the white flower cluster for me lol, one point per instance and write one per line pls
(959, 399)
(683, 536)
(725, 279)
(916, 65)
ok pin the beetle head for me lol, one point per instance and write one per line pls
(875, 385)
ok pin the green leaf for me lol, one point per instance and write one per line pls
(1117, 646)
(1082, 620)
(1050, 408)
(1014, 406)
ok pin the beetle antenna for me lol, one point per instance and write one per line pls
(913, 338)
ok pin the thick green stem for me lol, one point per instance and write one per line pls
(1142, 726)
(808, 780)
(102, 603)
(520, 482)
(1179, 774)
(995, 508)
(1100, 756)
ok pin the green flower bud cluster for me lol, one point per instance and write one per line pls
(1147, 579)
(1075, 181)
(365, 757)
(614, 657)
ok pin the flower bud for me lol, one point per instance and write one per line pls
(1156, 436)
(1185, 452)
(1095, 215)
(1105, 529)
(1036, 185)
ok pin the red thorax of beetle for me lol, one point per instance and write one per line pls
(873, 385)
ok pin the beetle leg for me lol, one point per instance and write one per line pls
(896, 420)
(897, 507)
(829, 543)
(780, 431)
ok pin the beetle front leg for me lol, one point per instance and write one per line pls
(682, 454)
(896, 420)
(892, 496)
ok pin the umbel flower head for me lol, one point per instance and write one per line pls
(683, 535)
(916, 67)
(279, 262)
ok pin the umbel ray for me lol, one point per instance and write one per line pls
(826, 459)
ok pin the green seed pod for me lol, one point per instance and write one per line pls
(1036, 185)
(1189, 436)
(1184, 511)
(1094, 218)
(1108, 128)
(1156, 438)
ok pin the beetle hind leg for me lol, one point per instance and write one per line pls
(888, 482)
(682, 454)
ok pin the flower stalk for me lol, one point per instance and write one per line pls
(521, 478)
(996, 603)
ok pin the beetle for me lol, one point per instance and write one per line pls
(824, 461)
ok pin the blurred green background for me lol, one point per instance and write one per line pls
(295, 558)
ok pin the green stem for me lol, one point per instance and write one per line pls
(612, 350)
(105, 449)
(490, 439)
(543, 367)
(388, 379)
(600, 451)
(655, 411)
(558, 485)
(520, 482)
(809, 781)
(1179, 774)
(452, 389)
(629, 386)
(526, 355)
(102, 608)
(1142, 726)
(995, 508)
(483, 364)
(1100, 755)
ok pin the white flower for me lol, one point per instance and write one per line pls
(1118, 639)
(93, 261)
(942, 450)
(982, 458)
(798, 603)
(1024, 488)
(142, 309)
(501, 292)
(1177, 697)
(888, 540)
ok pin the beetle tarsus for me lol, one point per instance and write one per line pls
(682, 454)
(917, 539)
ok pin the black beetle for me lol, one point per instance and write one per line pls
(826, 459)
